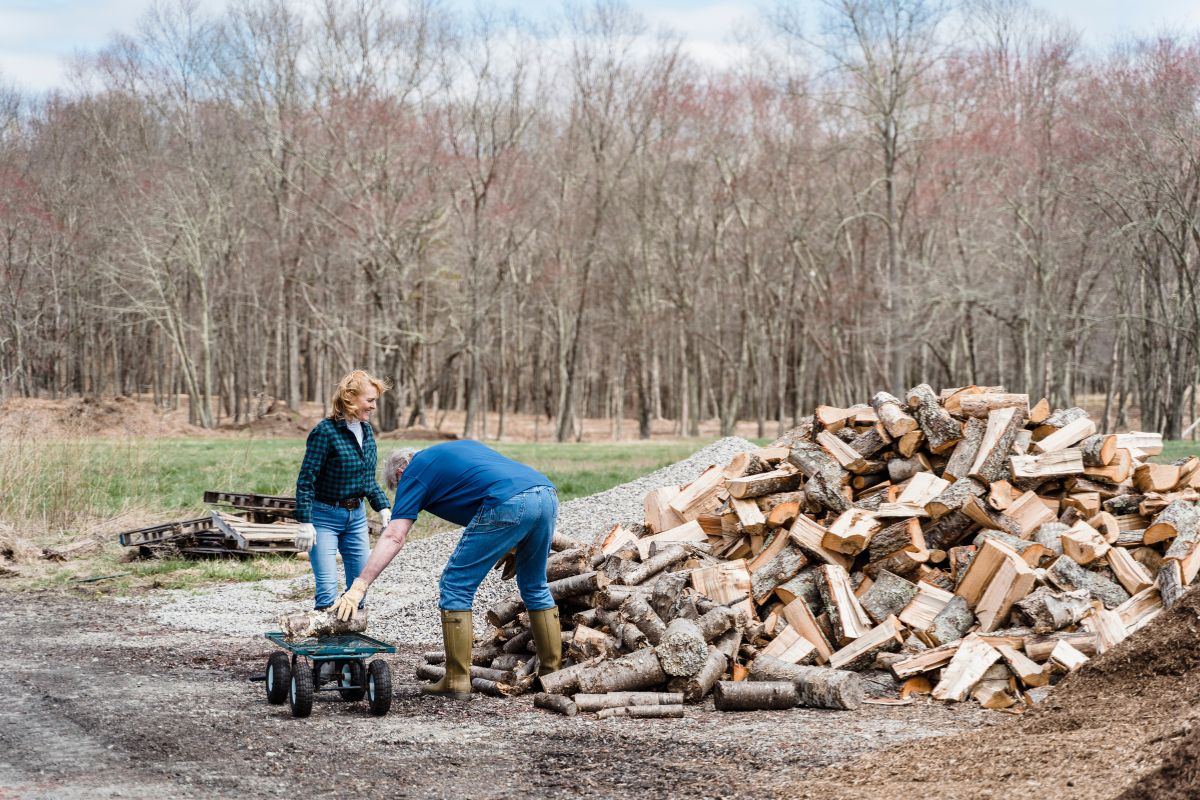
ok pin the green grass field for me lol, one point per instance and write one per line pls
(57, 491)
(54, 492)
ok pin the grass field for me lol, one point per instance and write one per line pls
(58, 491)
(55, 492)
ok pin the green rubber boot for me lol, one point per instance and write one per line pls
(547, 635)
(458, 636)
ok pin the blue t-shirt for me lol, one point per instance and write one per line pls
(455, 479)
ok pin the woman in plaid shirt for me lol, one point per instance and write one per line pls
(337, 473)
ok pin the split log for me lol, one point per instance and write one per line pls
(668, 598)
(810, 458)
(843, 453)
(305, 624)
(941, 430)
(780, 480)
(1178, 518)
(980, 405)
(955, 497)
(559, 542)
(982, 514)
(595, 702)
(816, 687)
(749, 515)
(799, 616)
(1050, 536)
(846, 615)
(905, 535)
(1058, 420)
(1170, 582)
(1084, 544)
(825, 489)
(1098, 450)
(642, 712)
(851, 531)
(871, 441)
(1046, 611)
(696, 687)
(965, 451)
(754, 695)
(1048, 465)
(925, 605)
(639, 670)
(948, 531)
(901, 469)
(556, 703)
(1149, 478)
(1039, 646)
(1012, 582)
(1068, 575)
(1028, 671)
(778, 570)
(682, 650)
(966, 668)
(887, 636)
(1067, 658)
(991, 462)
(637, 611)
(1072, 433)
(950, 624)
(892, 416)
(888, 596)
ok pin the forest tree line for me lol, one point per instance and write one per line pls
(579, 219)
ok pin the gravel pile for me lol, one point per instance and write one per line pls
(403, 601)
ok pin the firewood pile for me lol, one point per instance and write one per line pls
(961, 544)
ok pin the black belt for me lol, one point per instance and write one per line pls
(349, 504)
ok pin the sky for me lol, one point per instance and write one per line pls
(38, 37)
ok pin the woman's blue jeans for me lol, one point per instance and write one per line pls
(524, 521)
(339, 530)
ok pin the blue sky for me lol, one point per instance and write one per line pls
(37, 37)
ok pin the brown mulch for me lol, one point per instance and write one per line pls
(1125, 724)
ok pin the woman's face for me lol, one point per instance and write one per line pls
(367, 402)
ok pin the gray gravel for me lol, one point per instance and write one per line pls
(403, 601)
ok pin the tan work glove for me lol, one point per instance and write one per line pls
(385, 516)
(306, 534)
(347, 605)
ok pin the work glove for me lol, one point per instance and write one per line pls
(306, 534)
(507, 565)
(347, 605)
(385, 516)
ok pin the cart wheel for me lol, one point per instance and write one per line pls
(353, 674)
(379, 687)
(301, 695)
(279, 677)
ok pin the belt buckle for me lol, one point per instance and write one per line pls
(351, 503)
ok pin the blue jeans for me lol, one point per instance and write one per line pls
(338, 530)
(524, 521)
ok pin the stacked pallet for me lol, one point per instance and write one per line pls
(965, 544)
(264, 525)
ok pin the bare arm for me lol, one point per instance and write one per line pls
(389, 544)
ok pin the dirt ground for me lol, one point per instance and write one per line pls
(114, 417)
(102, 702)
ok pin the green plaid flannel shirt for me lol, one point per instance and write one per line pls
(334, 468)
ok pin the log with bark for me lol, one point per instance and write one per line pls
(754, 695)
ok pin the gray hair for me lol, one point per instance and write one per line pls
(397, 460)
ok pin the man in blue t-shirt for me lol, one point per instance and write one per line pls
(504, 505)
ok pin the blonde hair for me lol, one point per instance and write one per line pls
(345, 396)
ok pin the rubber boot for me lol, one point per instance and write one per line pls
(547, 635)
(458, 635)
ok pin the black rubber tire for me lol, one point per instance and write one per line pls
(279, 678)
(379, 687)
(353, 672)
(300, 696)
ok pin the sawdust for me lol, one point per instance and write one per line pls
(1111, 726)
